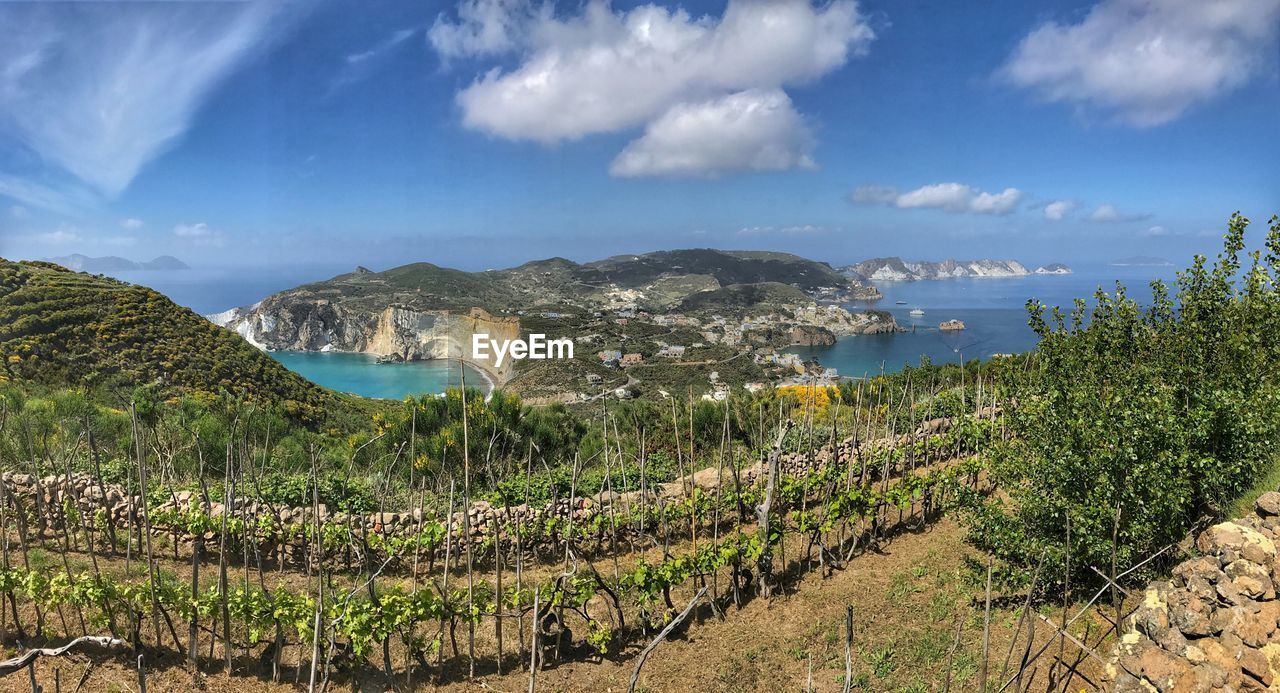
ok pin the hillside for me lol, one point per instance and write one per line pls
(752, 298)
(59, 327)
(727, 267)
(657, 279)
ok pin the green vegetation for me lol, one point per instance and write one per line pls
(561, 285)
(1138, 423)
(59, 327)
(1128, 427)
(745, 299)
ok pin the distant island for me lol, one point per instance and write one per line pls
(1141, 261)
(896, 269)
(112, 263)
(724, 317)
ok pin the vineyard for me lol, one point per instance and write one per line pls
(311, 594)
(459, 540)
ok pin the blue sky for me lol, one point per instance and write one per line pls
(484, 133)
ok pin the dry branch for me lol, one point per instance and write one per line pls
(21, 662)
(644, 654)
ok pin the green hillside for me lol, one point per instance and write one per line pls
(728, 267)
(59, 328)
(765, 297)
(561, 285)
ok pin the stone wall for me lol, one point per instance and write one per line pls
(1214, 625)
(278, 529)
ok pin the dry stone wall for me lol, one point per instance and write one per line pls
(1215, 625)
(279, 530)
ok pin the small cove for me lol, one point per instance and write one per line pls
(361, 374)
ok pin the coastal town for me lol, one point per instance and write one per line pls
(630, 352)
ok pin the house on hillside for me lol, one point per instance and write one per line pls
(631, 360)
(672, 351)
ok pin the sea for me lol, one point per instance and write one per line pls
(992, 309)
(213, 290)
(360, 374)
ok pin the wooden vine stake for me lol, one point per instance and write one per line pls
(764, 564)
(848, 648)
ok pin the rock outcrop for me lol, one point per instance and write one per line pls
(396, 333)
(809, 335)
(897, 269)
(1215, 625)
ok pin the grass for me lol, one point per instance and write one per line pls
(1269, 481)
(882, 661)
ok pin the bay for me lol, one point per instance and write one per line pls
(992, 309)
(361, 374)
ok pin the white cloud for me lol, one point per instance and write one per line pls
(755, 130)
(602, 70)
(1058, 210)
(192, 230)
(98, 90)
(200, 234)
(794, 230)
(484, 28)
(952, 197)
(1002, 202)
(396, 38)
(358, 66)
(19, 212)
(67, 199)
(1156, 231)
(131, 224)
(61, 236)
(1108, 213)
(1147, 61)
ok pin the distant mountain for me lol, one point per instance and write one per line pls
(1141, 261)
(112, 263)
(897, 269)
(165, 263)
(1053, 268)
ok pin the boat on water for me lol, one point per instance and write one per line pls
(917, 312)
(901, 303)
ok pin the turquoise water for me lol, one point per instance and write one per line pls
(360, 374)
(993, 311)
